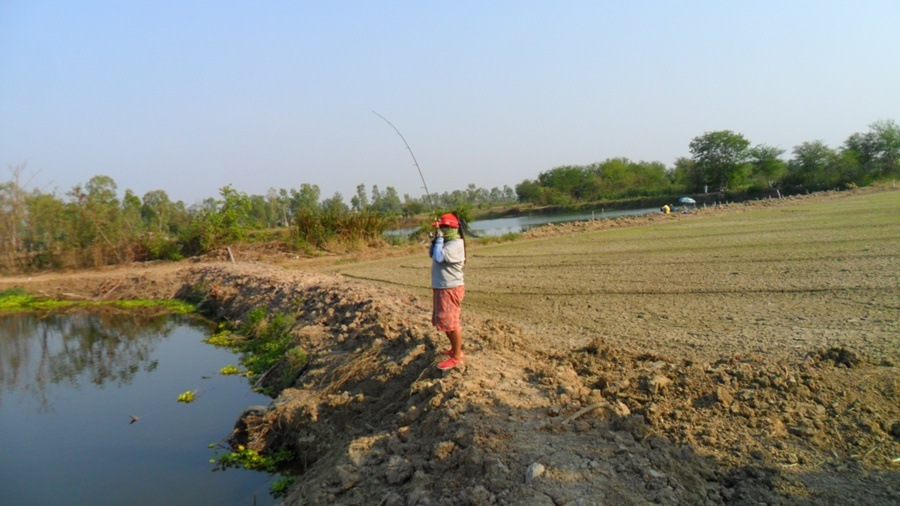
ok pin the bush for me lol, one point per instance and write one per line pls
(160, 247)
(318, 228)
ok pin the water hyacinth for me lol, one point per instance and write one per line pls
(229, 370)
(187, 397)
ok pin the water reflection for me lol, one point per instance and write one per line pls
(98, 348)
(69, 385)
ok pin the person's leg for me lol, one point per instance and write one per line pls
(450, 310)
(455, 337)
(454, 354)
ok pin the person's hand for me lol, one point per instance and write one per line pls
(439, 233)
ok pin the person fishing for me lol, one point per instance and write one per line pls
(448, 258)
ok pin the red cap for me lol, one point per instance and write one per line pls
(447, 220)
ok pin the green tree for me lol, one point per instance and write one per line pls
(280, 206)
(13, 215)
(218, 221)
(335, 204)
(567, 180)
(767, 165)
(234, 211)
(161, 219)
(306, 198)
(131, 213)
(612, 177)
(360, 201)
(812, 166)
(47, 228)
(509, 194)
(684, 176)
(412, 206)
(721, 159)
(387, 202)
(97, 227)
(877, 151)
(528, 191)
(156, 210)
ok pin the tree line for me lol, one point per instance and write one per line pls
(725, 161)
(91, 226)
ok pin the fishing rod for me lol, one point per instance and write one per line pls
(463, 225)
(415, 162)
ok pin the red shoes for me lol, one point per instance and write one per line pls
(450, 363)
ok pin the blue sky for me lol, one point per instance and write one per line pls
(190, 96)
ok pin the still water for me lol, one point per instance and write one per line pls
(518, 224)
(501, 226)
(69, 384)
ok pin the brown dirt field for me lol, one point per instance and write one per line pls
(744, 354)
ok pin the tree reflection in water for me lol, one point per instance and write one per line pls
(100, 347)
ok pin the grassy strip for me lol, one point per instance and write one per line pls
(16, 299)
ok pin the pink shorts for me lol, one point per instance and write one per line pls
(446, 308)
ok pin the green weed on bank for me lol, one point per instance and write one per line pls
(269, 352)
(269, 349)
(245, 458)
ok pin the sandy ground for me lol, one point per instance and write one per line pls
(742, 355)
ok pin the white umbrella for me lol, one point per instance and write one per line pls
(687, 200)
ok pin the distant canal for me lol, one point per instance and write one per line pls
(518, 224)
(514, 225)
(69, 385)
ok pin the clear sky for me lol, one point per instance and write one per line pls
(190, 96)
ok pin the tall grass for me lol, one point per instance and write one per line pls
(319, 228)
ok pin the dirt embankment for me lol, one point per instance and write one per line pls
(372, 421)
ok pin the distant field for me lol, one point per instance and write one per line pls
(777, 279)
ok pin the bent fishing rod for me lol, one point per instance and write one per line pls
(463, 224)
(415, 162)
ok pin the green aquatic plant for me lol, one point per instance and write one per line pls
(226, 339)
(229, 370)
(187, 397)
(252, 460)
(280, 487)
(245, 458)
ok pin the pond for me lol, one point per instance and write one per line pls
(69, 385)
